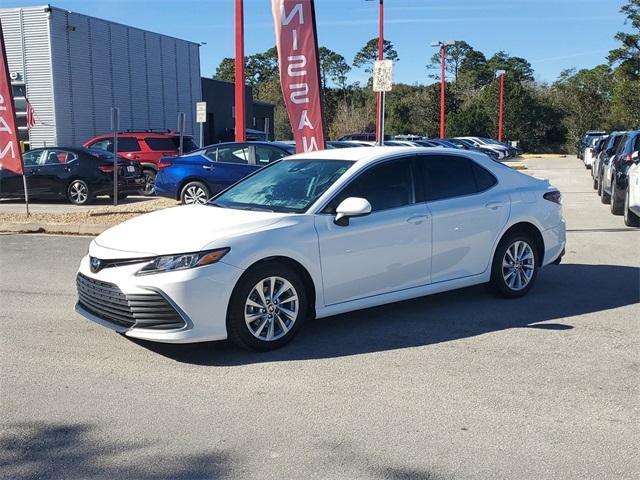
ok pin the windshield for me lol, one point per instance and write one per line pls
(289, 186)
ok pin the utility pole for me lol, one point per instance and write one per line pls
(443, 83)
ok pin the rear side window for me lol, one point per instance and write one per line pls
(484, 179)
(452, 176)
(127, 144)
(160, 143)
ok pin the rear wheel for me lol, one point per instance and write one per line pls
(630, 218)
(149, 182)
(194, 193)
(78, 192)
(515, 266)
(267, 307)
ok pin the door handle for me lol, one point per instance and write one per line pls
(494, 205)
(417, 219)
(207, 167)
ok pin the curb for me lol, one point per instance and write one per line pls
(515, 165)
(543, 155)
(59, 228)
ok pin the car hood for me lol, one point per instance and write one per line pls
(183, 229)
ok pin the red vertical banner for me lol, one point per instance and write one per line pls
(10, 154)
(297, 45)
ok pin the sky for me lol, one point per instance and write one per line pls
(552, 34)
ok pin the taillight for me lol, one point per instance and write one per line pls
(555, 196)
(105, 168)
(162, 164)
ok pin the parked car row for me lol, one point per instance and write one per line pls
(615, 169)
(196, 176)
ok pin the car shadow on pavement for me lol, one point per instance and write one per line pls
(561, 292)
(77, 450)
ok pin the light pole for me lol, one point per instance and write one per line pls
(443, 52)
(500, 74)
(240, 127)
(380, 95)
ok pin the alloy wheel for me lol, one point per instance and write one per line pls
(78, 192)
(149, 183)
(194, 194)
(518, 265)
(271, 309)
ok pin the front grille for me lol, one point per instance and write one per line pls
(108, 302)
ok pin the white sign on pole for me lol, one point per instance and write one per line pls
(382, 75)
(201, 112)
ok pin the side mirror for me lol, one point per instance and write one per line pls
(635, 157)
(351, 207)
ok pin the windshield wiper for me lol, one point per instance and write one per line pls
(255, 209)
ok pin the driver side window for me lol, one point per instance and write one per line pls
(386, 186)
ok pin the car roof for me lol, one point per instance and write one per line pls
(364, 155)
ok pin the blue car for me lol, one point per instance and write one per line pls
(199, 175)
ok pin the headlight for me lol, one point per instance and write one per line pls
(182, 261)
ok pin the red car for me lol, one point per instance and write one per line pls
(146, 147)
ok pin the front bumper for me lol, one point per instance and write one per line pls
(199, 295)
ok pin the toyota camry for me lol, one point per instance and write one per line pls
(318, 234)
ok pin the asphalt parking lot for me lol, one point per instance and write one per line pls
(456, 385)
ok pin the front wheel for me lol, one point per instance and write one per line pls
(267, 308)
(515, 266)
(78, 192)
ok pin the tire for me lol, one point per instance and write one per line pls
(630, 218)
(194, 193)
(512, 276)
(78, 192)
(617, 206)
(604, 196)
(595, 184)
(149, 182)
(599, 185)
(246, 304)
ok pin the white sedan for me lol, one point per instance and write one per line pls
(319, 234)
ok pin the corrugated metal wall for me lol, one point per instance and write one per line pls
(26, 34)
(78, 67)
(99, 64)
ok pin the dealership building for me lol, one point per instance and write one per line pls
(74, 68)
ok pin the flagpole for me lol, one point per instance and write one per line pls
(26, 193)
